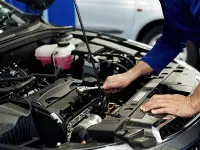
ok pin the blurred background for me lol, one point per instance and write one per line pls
(139, 20)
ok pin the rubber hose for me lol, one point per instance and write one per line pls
(17, 87)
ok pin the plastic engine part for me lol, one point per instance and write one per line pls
(63, 58)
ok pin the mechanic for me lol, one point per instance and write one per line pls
(182, 23)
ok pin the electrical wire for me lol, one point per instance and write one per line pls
(112, 55)
(55, 75)
(120, 66)
(40, 85)
(115, 64)
(58, 70)
(44, 81)
(14, 79)
(17, 87)
(88, 47)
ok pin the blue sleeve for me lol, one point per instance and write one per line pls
(166, 49)
(195, 8)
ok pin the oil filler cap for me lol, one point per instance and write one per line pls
(63, 44)
(89, 81)
(62, 34)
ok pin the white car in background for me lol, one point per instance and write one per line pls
(139, 20)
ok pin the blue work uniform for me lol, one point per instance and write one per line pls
(182, 23)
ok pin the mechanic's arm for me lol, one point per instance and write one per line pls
(195, 100)
(165, 50)
(120, 81)
(178, 105)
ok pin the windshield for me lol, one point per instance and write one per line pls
(9, 19)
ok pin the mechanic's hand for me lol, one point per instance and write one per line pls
(171, 104)
(114, 83)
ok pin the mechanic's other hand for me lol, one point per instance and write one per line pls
(116, 82)
(171, 104)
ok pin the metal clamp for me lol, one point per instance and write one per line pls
(85, 89)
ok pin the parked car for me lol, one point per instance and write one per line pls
(49, 98)
(139, 20)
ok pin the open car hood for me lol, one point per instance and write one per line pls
(48, 99)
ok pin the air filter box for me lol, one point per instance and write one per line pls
(16, 125)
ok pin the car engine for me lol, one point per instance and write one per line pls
(48, 101)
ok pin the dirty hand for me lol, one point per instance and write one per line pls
(171, 104)
(116, 82)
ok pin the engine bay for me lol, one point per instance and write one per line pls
(49, 91)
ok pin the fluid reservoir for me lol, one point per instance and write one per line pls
(63, 57)
(65, 37)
